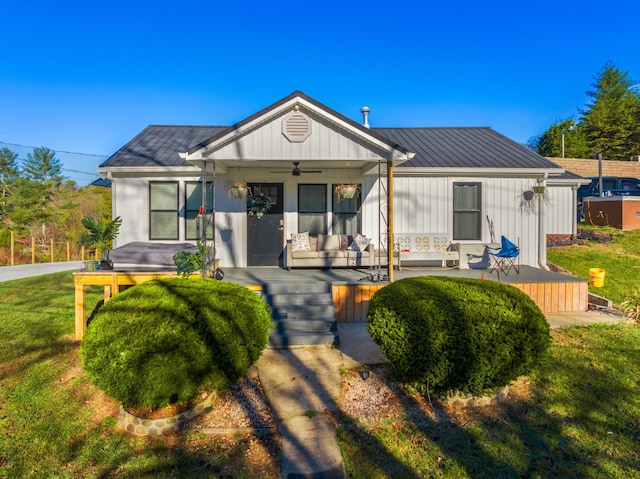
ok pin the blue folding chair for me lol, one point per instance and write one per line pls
(504, 258)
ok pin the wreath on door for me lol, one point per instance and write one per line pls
(258, 204)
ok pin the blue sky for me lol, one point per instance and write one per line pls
(88, 76)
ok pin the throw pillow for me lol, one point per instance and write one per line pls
(345, 241)
(359, 243)
(300, 241)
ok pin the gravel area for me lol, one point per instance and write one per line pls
(243, 405)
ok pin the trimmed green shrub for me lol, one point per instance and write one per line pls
(163, 341)
(454, 334)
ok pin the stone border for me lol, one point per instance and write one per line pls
(472, 401)
(139, 426)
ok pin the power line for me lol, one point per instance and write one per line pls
(81, 172)
(57, 151)
(24, 161)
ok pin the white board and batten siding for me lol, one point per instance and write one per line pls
(562, 210)
(267, 142)
(425, 205)
(421, 205)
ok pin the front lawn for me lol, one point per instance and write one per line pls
(620, 259)
(54, 423)
(576, 417)
(580, 417)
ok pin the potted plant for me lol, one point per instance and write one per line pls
(101, 234)
(346, 191)
(239, 190)
(188, 263)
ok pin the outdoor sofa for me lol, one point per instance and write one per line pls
(328, 251)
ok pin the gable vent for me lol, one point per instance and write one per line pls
(296, 127)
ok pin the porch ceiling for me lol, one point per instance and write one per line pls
(357, 167)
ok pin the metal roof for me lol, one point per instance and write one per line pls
(158, 145)
(458, 147)
(463, 147)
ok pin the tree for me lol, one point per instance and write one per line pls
(43, 167)
(550, 142)
(36, 188)
(8, 175)
(612, 120)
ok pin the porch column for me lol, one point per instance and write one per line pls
(542, 230)
(390, 234)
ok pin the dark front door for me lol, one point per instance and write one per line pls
(264, 235)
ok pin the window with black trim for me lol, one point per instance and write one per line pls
(312, 209)
(193, 201)
(163, 210)
(467, 214)
(346, 214)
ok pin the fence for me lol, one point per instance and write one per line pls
(589, 167)
(23, 252)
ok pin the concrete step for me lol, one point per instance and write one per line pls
(303, 315)
(297, 288)
(298, 311)
(299, 298)
(288, 340)
(305, 325)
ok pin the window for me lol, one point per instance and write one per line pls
(163, 210)
(466, 211)
(193, 224)
(312, 209)
(346, 214)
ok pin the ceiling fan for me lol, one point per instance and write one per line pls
(297, 171)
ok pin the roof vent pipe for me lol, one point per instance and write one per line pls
(365, 116)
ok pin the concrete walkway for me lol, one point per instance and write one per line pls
(303, 387)
(8, 273)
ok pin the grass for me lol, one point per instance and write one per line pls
(581, 420)
(55, 424)
(620, 259)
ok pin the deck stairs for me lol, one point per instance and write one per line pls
(303, 314)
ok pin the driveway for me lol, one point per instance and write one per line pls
(8, 273)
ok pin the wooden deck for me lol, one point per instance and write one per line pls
(351, 288)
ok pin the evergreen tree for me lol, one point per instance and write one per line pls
(43, 167)
(8, 176)
(612, 120)
(36, 188)
(550, 142)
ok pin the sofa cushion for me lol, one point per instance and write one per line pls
(328, 243)
(313, 243)
(354, 254)
(304, 254)
(331, 254)
(359, 243)
(300, 241)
